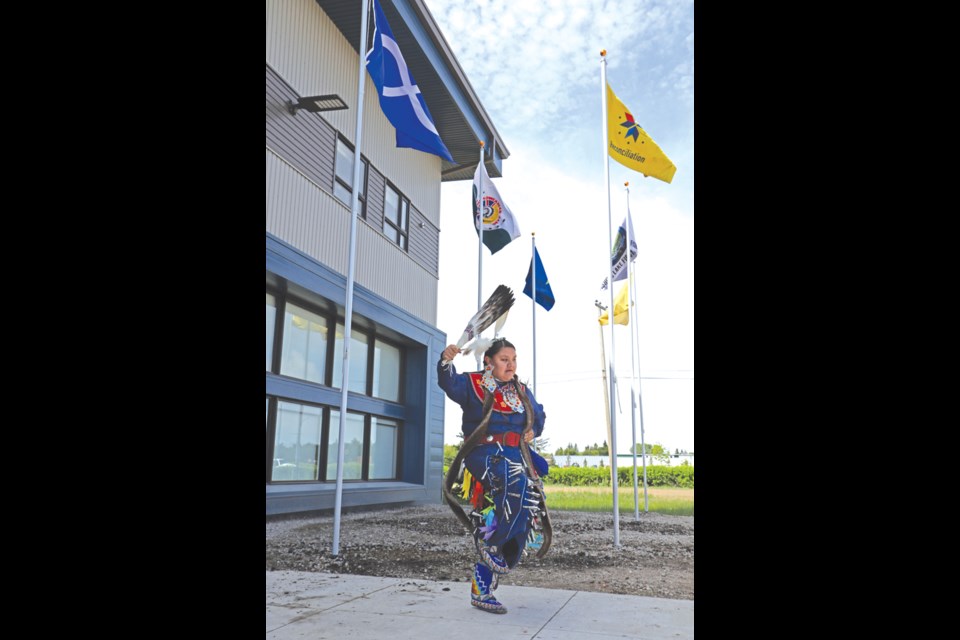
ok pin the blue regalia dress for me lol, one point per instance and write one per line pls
(497, 481)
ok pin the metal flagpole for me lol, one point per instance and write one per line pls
(633, 368)
(603, 368)
(480, 247)
(533, 270)
(643, 445)
(613, 352)
(351, 262)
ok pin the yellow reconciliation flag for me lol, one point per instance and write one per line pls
(630, 145)
(621, 311)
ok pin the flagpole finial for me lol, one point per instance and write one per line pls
(481, 143)
(627, 183)
(603, 52)
(533, 233)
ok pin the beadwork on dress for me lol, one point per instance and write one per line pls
(507, 389)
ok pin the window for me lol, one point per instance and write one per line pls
(271, 321)
(304, 353)
(386, 371)
(343, 176)
(302, 428)
(296, 447)
(383, 449)
(358, 360)
(352, 450)
(396, 210)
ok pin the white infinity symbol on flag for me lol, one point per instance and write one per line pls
(409, 90)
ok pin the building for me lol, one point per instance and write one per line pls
(623, 460)
(394, 428)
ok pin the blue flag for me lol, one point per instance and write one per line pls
(400, 98)
(544, 292)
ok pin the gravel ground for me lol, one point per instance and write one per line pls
(655, 557)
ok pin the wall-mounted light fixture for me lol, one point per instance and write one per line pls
(316, 104)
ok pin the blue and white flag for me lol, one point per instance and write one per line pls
(400, 98)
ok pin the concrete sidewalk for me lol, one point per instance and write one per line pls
(303, 604)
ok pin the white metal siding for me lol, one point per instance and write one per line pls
(301, 214)
(310, 219)
(308, 51)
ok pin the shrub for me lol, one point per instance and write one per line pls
(657, 476)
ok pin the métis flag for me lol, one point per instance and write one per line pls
(621, 308)
(544, 295)
(630, 145)
(499, 225)
(400, 98)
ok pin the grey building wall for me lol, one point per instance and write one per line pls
(306, 49)
(424, 241)
(308, 143)
(376, 185)
(301, 211)
(307, 245)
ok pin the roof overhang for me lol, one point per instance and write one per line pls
(457, 112)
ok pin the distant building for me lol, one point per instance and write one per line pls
(623, 460)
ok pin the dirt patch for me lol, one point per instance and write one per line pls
(655, 557)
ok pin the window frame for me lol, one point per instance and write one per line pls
(283, 297)
(369, 335)
(401, 231)
(272, 437)
(364, 175)
(371, 356)
(312, 308)
(279, 303)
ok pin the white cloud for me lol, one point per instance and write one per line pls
(536, 68)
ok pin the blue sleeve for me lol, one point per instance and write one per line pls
(539, 417)
(455, 385)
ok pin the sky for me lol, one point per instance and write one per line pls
(536, 68)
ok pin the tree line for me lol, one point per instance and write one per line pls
(657, 451)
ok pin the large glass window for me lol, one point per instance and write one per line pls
(353, 449)
(304, 344)
(396, 214)
(358, 360)
(383, 449)
(296, 447)
(301, 434)
(386, 371)
(343, 182)
(271, 321)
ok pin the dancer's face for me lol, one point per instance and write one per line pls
(504, 364)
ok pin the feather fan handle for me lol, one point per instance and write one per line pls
(495, 307)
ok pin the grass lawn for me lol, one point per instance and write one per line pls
(667, 500)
